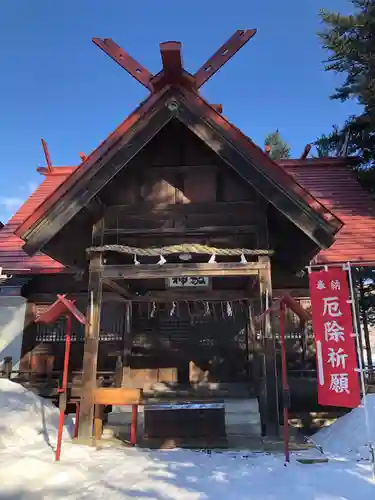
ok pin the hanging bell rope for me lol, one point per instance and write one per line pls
(178, 249)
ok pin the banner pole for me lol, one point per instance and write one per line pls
(361, 370)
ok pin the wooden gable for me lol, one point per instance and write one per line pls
(283, 193)
(82, 199)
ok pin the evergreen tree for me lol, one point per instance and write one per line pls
(278, 149)
(327, 145)
(350, 40)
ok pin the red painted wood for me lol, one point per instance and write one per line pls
(134, 425)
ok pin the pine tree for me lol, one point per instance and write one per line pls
(350, 40)
(278, 149)
(327, 145)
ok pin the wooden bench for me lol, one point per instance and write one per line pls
(118, 396)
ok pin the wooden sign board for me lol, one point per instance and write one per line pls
(188, 282)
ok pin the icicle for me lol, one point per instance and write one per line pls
(212, 259)
(173, 310)
(243, 259)
(161, 260)
(229, 310)
(136, 261)
(153, 310)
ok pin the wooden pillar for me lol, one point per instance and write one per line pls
(91, 348)
(269, 397)
(127, 334)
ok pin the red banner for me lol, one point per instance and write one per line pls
(338, 383)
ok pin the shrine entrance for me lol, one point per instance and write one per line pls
(200, 342)
(178, 193)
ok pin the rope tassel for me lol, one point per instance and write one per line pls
(161, 260)
(229, 310)
(212, 259)
(153, 310)
(173, 310)
(207, 311)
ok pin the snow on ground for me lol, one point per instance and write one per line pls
(28, 470)
(26, 419)
(348, 435)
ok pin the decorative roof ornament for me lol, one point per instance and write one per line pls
(173, 72)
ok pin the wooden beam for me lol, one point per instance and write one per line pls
(222, 55)
(125, 60)
(198, 231)
(155, 271)
(148, 208)
(117, 396)
(300, 293)
(128, 340)
(40, 298)
(269, 386)
(172, 60)
(175, 294)
(47, 156)
(91, 348)
(123, 292)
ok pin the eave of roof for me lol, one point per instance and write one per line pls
(339, 191)
(261, 157)
(331, 161)
(13, 258)
(97, 154)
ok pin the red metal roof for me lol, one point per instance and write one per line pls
(12, 258)
(331, 181)
(334, 184)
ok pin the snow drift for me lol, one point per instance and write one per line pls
(26, 419)
(348, 434)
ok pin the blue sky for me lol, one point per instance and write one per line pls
(56, 84)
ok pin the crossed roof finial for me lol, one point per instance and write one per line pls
(173, 71)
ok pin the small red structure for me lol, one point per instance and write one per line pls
(286, 302)
(63, 307)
